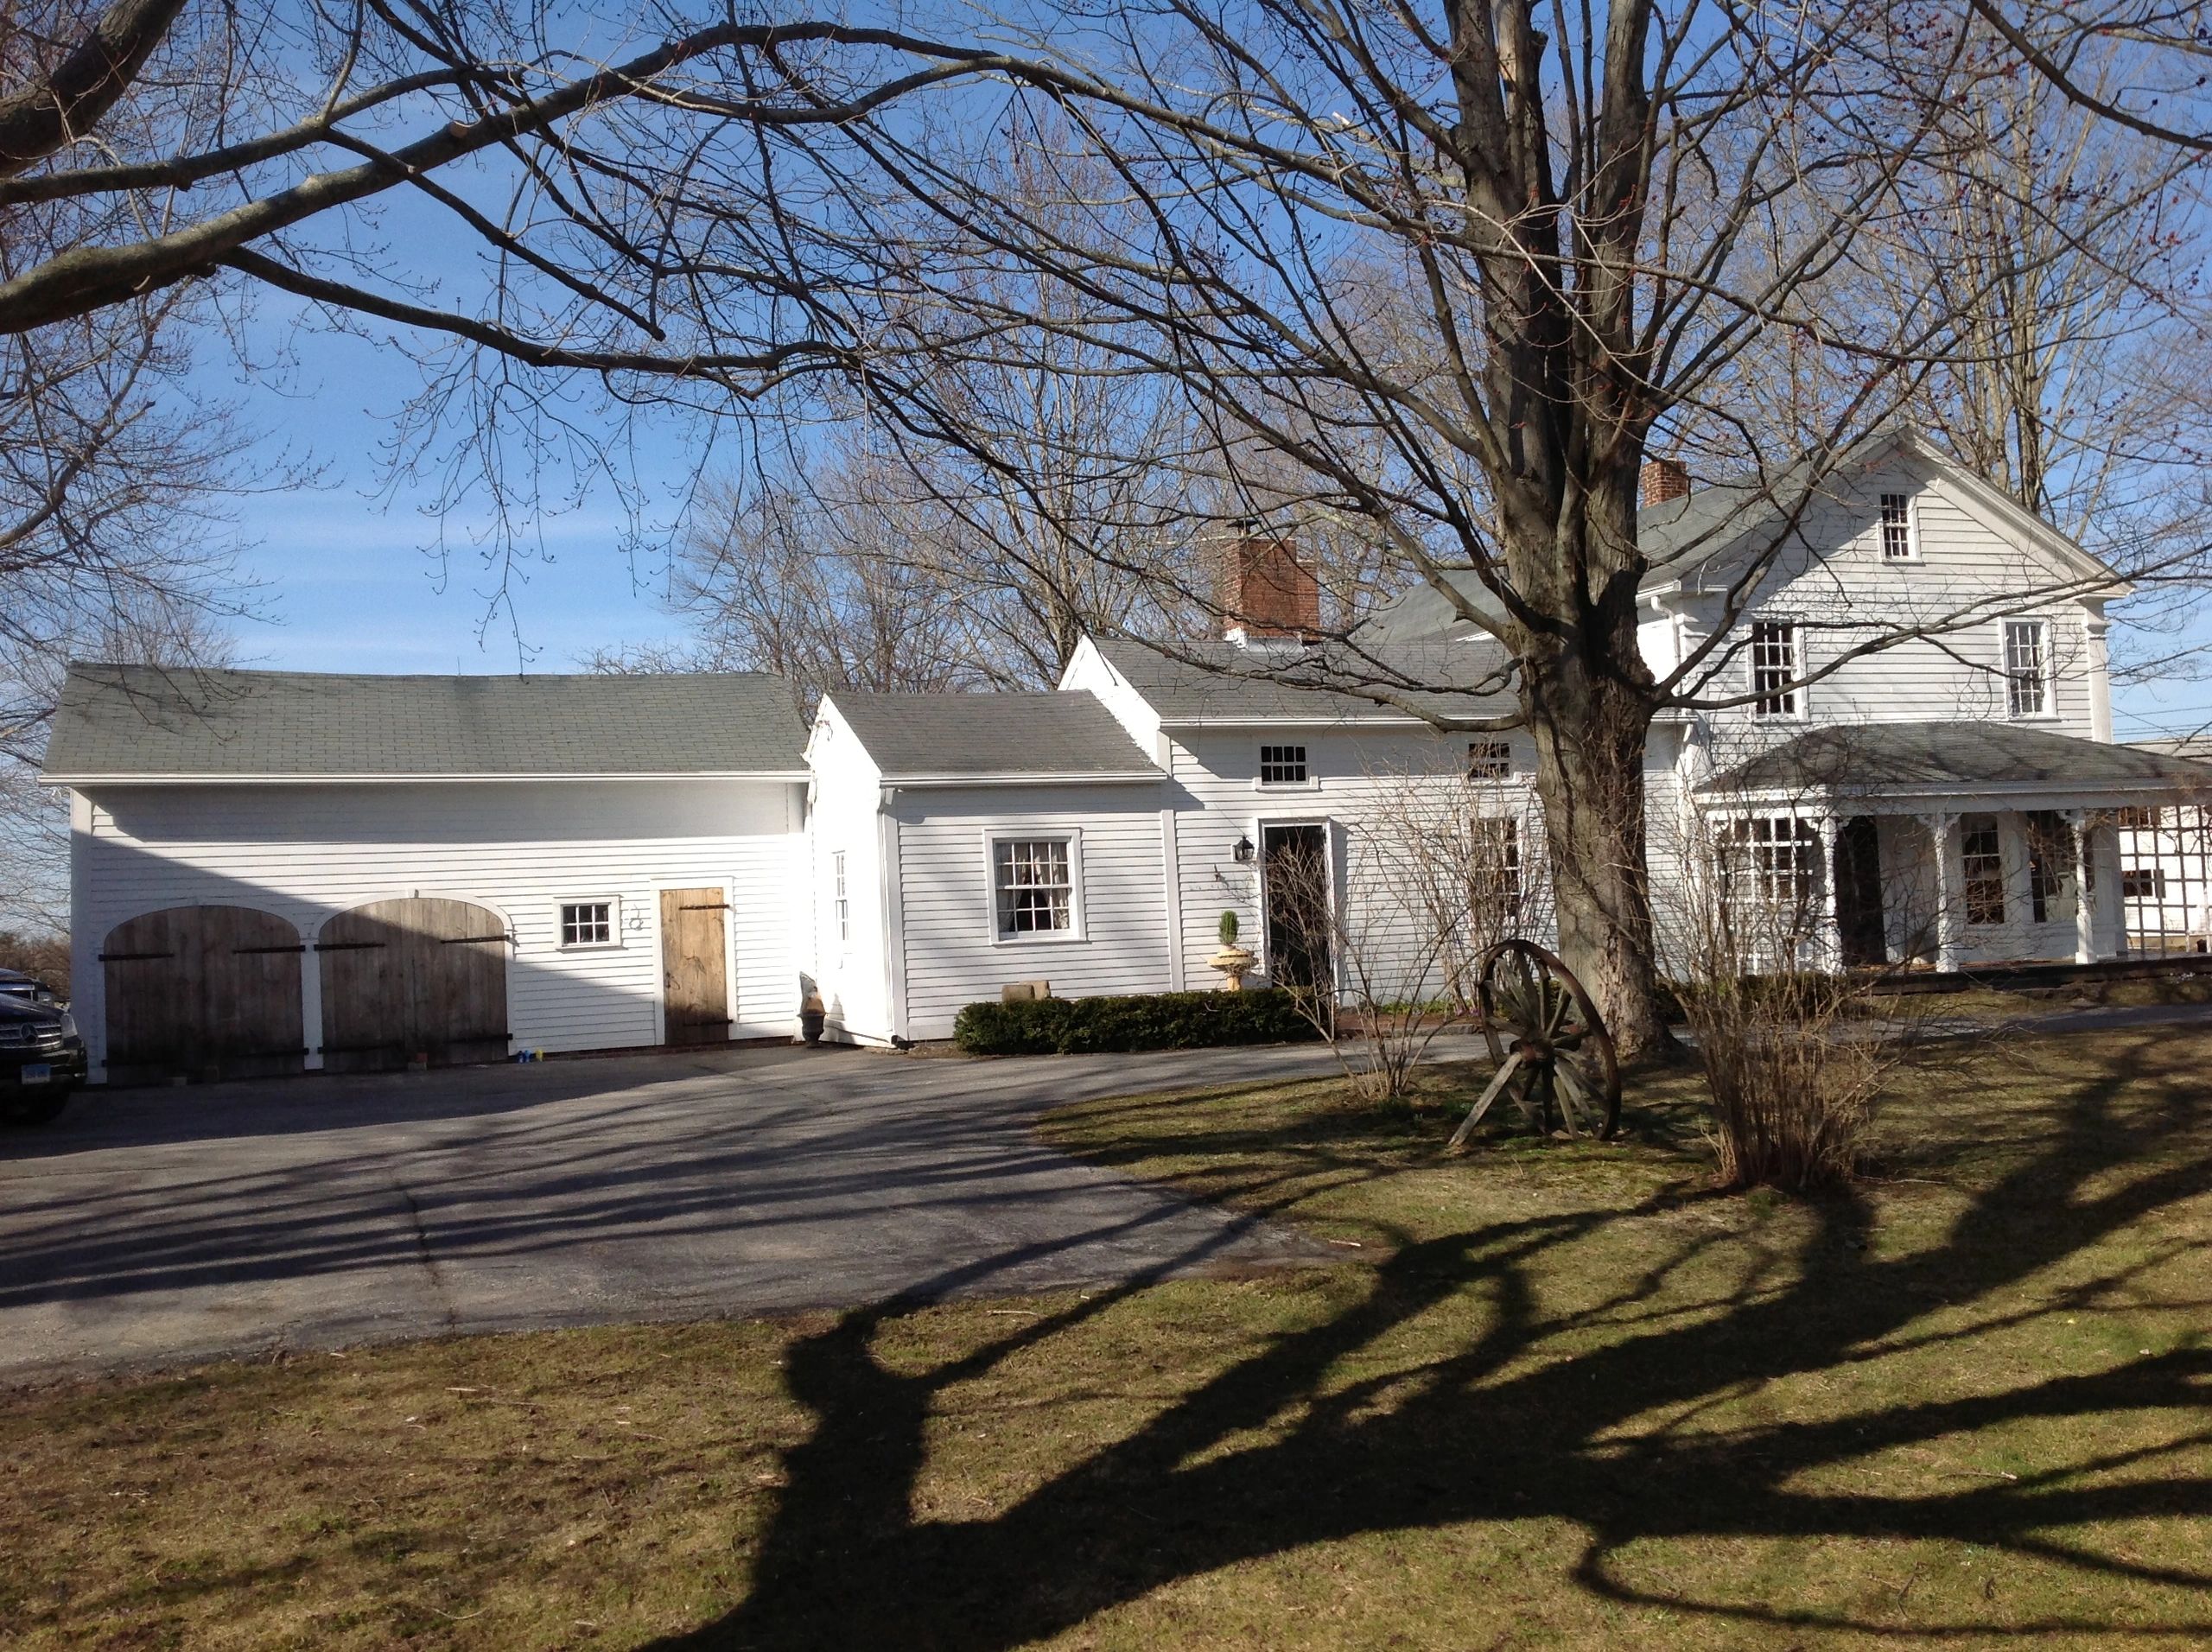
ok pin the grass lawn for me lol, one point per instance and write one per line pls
(1553, 1394)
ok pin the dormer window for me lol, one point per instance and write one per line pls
(1282, 765)
(1775, 670)
(1897, 542)
(2027, 667)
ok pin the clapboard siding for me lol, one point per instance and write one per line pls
(308, 852)
(952, 955)
(1967, 579)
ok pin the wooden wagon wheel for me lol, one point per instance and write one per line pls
(1550, 1044)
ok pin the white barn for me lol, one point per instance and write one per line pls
(273, 871)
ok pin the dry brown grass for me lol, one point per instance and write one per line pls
(1558, 1394)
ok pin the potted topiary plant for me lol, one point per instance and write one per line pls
(1234, 962)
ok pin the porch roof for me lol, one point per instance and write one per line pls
(1914, 761)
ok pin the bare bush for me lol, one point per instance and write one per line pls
(1792, 1070)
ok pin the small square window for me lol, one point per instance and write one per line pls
(1777, 857)
(1282, 765)
(2027, 667)
(1489, 760)
(2143, 883)
(1036, 887)
(1896, 529)
(587, 923)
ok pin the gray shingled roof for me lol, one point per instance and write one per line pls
(1676, 537)
(142, 721)
(990, 734)
(1924, 756)
(1223, 682)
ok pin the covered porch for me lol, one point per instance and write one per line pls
(1950, 845)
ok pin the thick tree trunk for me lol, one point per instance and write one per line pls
(1590, 737)
(1588, 697)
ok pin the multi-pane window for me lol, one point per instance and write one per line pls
(2027, 667)
(1982, 859)
(1489, 760)
(1494, 868)
(845, 908)
(2142, 883)
(587, 923)
(1282, 765)
(1774, 669)
(1896, 528)
(2138, 820)
(1036, 885)
(2050, 860)
(1779, 856)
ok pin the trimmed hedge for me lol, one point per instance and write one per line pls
(1065, 1026)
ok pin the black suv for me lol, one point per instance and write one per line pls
(14, 983)
(41, 1060)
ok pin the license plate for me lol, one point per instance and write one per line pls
(38, 1072)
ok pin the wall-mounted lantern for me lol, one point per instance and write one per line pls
(1243, 850)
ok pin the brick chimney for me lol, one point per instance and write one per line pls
(1266, 591)
(1663, 480)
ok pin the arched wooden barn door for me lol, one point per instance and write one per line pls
(418, 978)
(202, 992)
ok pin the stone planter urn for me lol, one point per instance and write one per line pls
(1234, 962)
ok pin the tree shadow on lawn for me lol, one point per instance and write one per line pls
(1613, 1415)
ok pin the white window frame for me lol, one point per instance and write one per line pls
(2001, 876)
(1489, 760)
(1789, 703)
(1506, 833)
(2047, 674)
(1072, 835)
(842, 905)
(1912, 524)
(1777, 858)
(1307, 782)
(614, 905)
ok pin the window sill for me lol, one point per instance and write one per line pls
(1058, 938)
(1311, 783)
(591, 946)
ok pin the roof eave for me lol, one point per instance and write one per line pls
(791, 776)
(1018, 777)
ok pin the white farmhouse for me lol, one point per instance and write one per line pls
(292, 870)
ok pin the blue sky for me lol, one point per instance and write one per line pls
(347, 580)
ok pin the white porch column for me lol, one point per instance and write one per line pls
(1829, 939)
(2085, 884)
(1942, 833)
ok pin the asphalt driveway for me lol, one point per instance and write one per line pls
(158, 1226)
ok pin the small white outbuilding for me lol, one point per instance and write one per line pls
(962, 843)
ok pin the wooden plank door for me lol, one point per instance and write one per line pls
(203, 991)
(423, 976)
(694, 973)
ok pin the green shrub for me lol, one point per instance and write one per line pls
(1064, 1026)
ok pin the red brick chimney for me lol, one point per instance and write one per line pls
(1663, 480)
(1266, 591)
